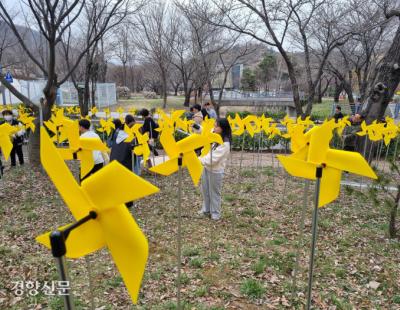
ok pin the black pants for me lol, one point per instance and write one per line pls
(17, 149)
(95, 168)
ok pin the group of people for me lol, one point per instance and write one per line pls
(214, 163)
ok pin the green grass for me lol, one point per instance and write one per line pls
(140, 102)
(196, 262)
(259, 266)
(252, 289)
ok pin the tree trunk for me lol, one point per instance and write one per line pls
(164, 87)
(347, 88)
(187, 90)
(338, 90)
(386, 81)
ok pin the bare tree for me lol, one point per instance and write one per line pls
(158, 28)
(386, 76)
(53, 19)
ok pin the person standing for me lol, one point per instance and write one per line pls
(18, 138)
(338, 113)
(149, 126)
(213, 173)
(121, 151)
(98, 157)
(210, 110)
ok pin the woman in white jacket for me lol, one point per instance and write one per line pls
(214, 166)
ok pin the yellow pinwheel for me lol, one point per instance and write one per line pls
(81, 148)
(389, 130)
(364, 129)
(106, 126)
(265, 123)
(207, 132)
(273, 131)
(287, 120)
(93, 111)
(341, 124)
(104, 193)
(238, 125)
(107, 112)
(316, 153)
(252, 124)
(174, 121)
(375, 131)
(56, 125)
(307, 122)
(185, 148)
(6, 131)
(70, 110)
(142, 146)
(27, 121)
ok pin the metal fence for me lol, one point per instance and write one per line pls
(106, 93)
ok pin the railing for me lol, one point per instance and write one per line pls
(237, 94)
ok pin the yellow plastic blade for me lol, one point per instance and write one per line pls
(168, 142)
(72, 131)
(194, 166)
(167, 168)
(330, 186)
(191, 143)
(349, 161)
(128, 246)
(92, 144)
(6, 146)
(114, 185)
(319, 143)
(81, 241)
(298, 168)
(87, 161)
(62, 178)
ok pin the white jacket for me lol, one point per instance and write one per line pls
(217, 161)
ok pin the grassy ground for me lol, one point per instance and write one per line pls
(245, 261)
(139, 102)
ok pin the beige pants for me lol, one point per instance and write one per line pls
(211, 185)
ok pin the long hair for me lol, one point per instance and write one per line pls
(226, 129)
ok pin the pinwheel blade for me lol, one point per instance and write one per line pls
(194, 166)
(62, 178)
(6, 146)
(319, 143)
(330, 186)
(87, 161)
(92, 144)
(191, 143)
(349, 161)
(167, 168)
(128, 246)
(298, 168)
(168, 142)
(114, 185)
(81, 241)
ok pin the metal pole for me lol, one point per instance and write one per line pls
(241, 152)
(62, 270)
(179, 258)
(314, 236)
(90, 276)
(301, 229)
